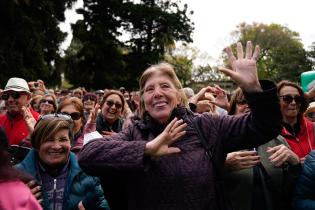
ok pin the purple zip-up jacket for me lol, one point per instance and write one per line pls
(182, 181)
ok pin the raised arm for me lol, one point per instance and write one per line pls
(265, 120)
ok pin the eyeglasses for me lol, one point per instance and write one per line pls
(91, 98)
(111, 103)
(6, 96)
(47, 101)
(311, 115)
(288, 99)
(74, 115)
(241, 102)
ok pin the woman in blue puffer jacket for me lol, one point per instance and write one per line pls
(63, 184)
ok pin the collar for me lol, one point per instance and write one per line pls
(149, 123)
(53, 171)
(298, 127)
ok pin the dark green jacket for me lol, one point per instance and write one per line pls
(239, 184)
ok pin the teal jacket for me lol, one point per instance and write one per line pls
(79, 186)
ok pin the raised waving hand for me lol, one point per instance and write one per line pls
(244, 70)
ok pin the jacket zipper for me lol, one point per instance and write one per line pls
(54, 195)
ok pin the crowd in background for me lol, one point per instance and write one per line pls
(259, 142)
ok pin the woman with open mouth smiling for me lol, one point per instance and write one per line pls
(61, 182)
(109, 120)
(171, 158)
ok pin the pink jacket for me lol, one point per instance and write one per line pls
(15, 195)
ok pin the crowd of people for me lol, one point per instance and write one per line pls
(162, 147)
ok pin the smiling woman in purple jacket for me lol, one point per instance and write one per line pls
(160, 159)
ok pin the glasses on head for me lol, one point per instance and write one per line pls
(91, 98)
(74, 115)
(47, 101)
(241, 102)
(6, 96)
(288, 99)
(111, 103)
(56, 115)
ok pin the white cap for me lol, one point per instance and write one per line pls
(17, 84)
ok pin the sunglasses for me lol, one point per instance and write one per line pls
(74, 115)
(6, 96)
(47, 101)
(91, 98)
(241, 102)
(288, 99)
(111, 103)
(311, 115)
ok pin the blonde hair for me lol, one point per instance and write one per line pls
(164, 69)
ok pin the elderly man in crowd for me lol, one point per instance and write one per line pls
(19, 117)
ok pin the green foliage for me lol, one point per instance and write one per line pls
(311, 55)
(150, 28)
(183, 68)
(30, 38)
(282, 54)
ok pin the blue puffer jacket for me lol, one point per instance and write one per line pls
(305, 187)
(79, 186)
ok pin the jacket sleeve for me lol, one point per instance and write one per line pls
(305, 188)
(116, 153)
(262, 124)
(88, 128)
(95, 198)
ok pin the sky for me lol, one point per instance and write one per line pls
(215, 20)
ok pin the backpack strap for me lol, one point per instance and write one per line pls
(221, 200)
(202, 138)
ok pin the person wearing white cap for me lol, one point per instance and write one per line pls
(19, 118)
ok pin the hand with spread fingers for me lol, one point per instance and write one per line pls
(244, 70)
(29, 119)
(281, 154)
(161, 144)
(221, 98)
(200, 95)
(241, 160)
(93, 114)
